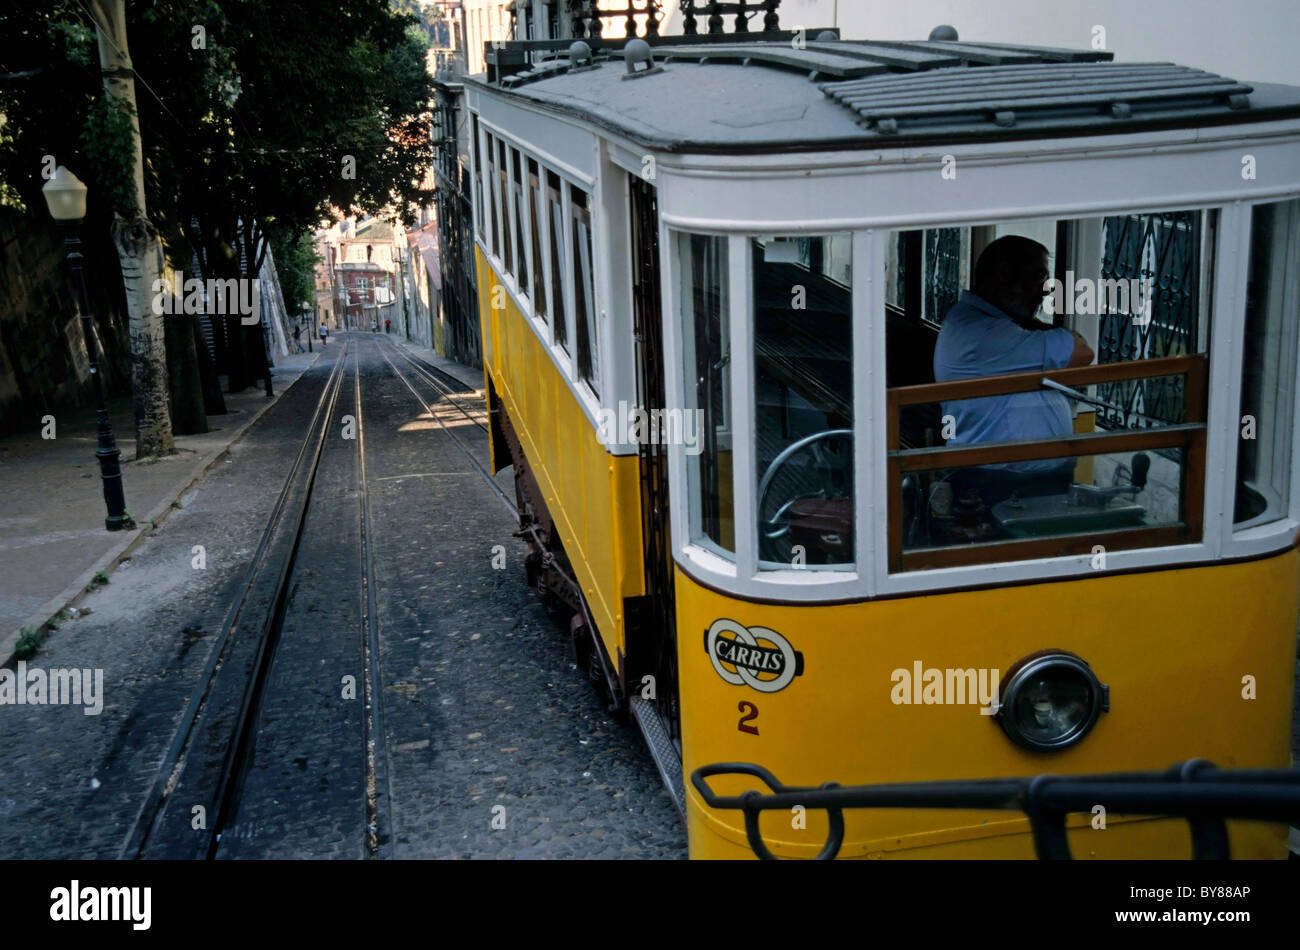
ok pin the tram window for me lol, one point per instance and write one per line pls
(1129, 292)
(583, 300)
(555, 201)
(490, 177)
(941, 256)
(803, 399)
(477, 173)
(956, 516)
(537, 213)
(707, 357)
(1268, 377)
(518, 209)
(503, 202)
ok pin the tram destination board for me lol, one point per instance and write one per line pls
(641, 431)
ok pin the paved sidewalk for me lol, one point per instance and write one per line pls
(52, 535)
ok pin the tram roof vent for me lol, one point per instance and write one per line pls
(639, 59)
(1099, 94)
(805, 87)
(580, 57)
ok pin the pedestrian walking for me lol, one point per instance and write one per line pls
(374, 325)
(324, 334)
(388, 326)
(297, 338)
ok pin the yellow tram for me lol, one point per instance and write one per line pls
(716, 276)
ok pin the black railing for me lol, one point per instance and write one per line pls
(742, 11)
(1194, 790)
(587, 17)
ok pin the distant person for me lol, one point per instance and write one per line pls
(374, 325)
(990, 332)
(324, 334)
(388, 326)
(297, 338)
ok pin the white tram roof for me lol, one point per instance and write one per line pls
(766, 95)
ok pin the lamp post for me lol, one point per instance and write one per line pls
(66, 197)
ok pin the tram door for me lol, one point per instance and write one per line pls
(656, 638)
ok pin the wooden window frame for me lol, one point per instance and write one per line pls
(1190, 435)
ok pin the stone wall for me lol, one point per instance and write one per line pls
(40, 340)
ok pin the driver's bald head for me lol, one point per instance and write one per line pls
(1005, 260)
(1011, 274)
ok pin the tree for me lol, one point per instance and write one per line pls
(295, 260)
(136, 241)
(305, 107)
(108, 153)
(255, 116)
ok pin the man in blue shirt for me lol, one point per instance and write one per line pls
(992, 331)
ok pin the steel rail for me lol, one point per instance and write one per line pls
(505, 500)
(239, 752)
(379, 791)
(151, 808)
(447, 391)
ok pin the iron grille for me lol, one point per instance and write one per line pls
(942, 272)
(1160, 253)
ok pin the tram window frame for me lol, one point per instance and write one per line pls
(540, 266)
(522, 273)
(490, 190)
(1191, 433)
(813, 253)
(1265, 458)
(476, 174)
(705, 467)
(586, 331)
(507, 224)
(557, 218)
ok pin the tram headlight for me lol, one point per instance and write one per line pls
(1050, 701)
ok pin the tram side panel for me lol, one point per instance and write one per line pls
(1173, 646)
(592, 495)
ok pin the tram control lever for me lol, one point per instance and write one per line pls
(1099, 497)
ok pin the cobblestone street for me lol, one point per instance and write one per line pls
(493, 744)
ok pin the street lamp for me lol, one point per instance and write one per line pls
(66, 197)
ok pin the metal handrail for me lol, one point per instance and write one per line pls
(1193, 790)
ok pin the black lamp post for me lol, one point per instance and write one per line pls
(66, 197)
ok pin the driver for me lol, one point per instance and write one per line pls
(992, 331)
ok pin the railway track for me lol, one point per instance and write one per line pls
(197, 791)
(446, 392)
(191, 809)
(451, 392)
(214, 795)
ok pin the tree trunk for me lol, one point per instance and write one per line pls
(238, 375)
(137, 253)
(214, 404)
(137, 250)
(188, 417)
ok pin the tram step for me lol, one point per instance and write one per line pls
(667, 758)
